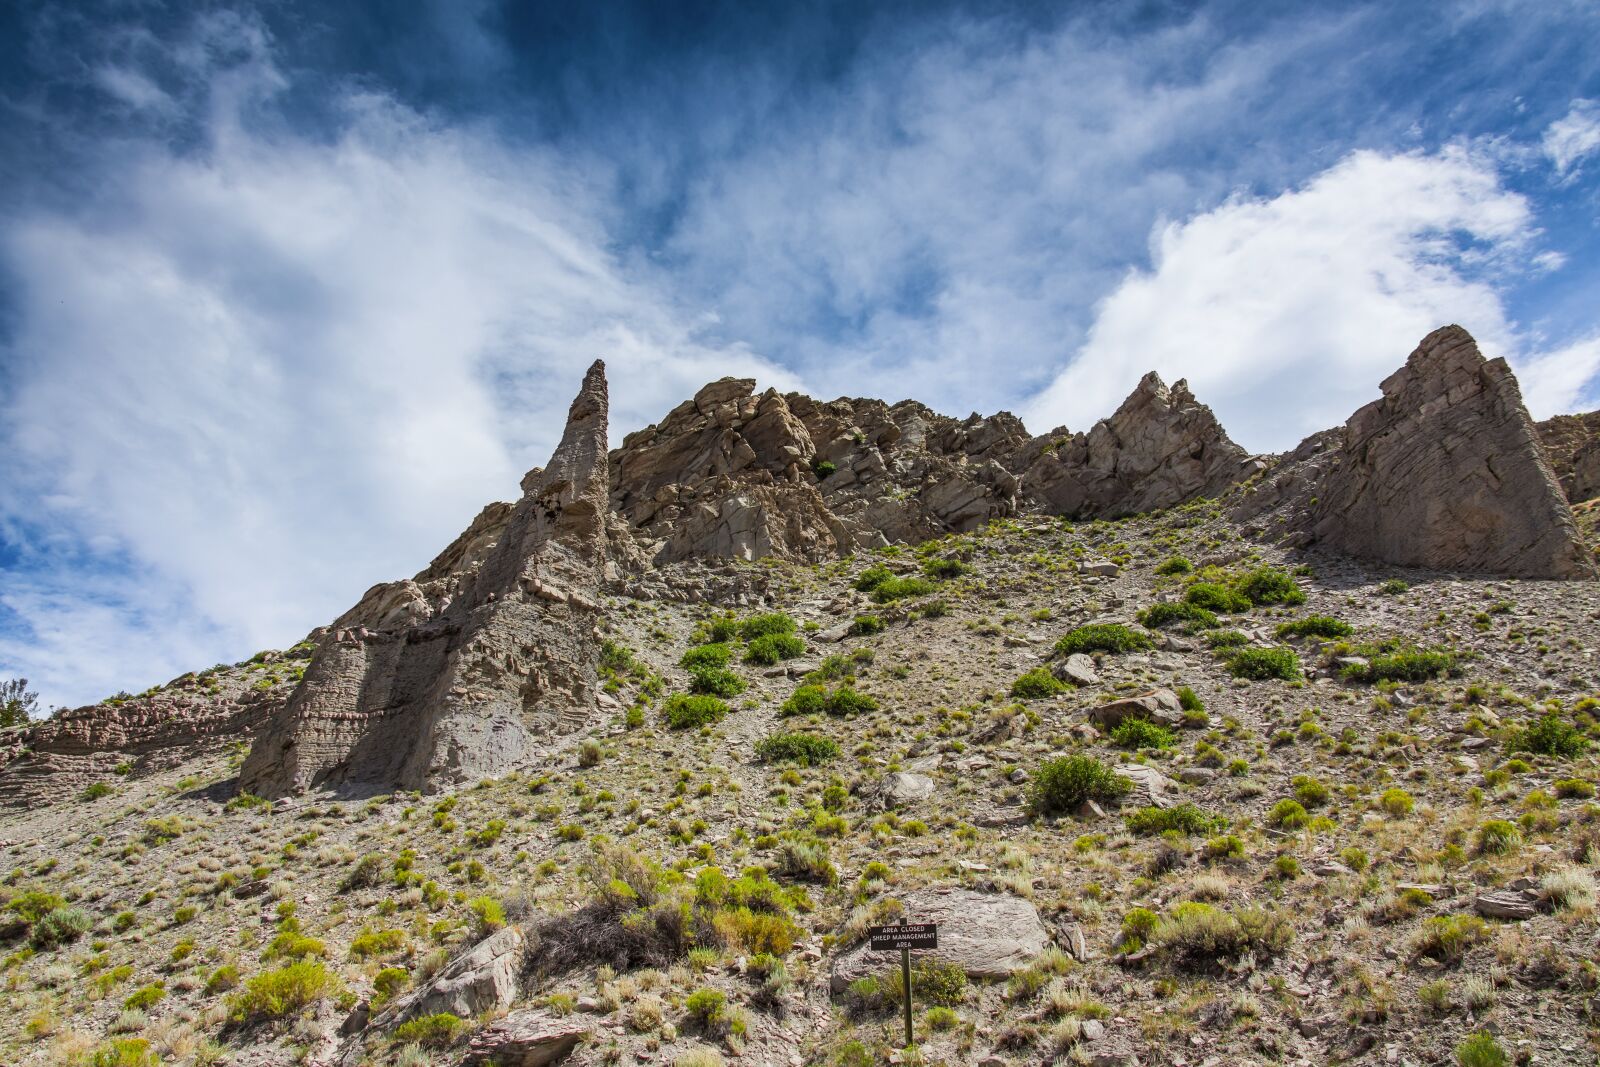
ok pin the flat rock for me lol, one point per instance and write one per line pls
(1078, 669)
(901, 788)
(1151, 788)
(1507, 904)
(1158, 706)
(986, 935)
(530, 1038)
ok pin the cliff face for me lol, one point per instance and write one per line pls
(1572, 444)
(457, 673)
(1445, 471)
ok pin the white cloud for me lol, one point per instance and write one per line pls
(275, 370)
(1574, 137)
(1284, 313)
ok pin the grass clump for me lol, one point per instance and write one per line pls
(440, 1030)
(1190, 616)
(817, 699)
(1448, 938)
(802, 748)
(1497, 837)
(1102, 637)
(1184, 818)
(773, 622)
(714, 654)
(1288, 815)
(277, 993)
(684, 712)
(1481, 1050)
(1060, 785)
(1315, 626)
(1268, 585)
(1550, 735)
(773, 648)
(1142, 733)
(715, 682)
(901, 589)
(944, 569)
(1396, 802)
(1260, 664)
(873, 577)
(1202, 937)
(1174, 565)
(1400, 665)
(1212, 596)
(1036, 683)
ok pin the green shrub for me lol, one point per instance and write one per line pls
(945, 568)
(1226, 639)
(1259, 664)
(1200, 936)
(31, 905)
(440, 1030)
(369, 871)
(1141, 733)
(145, 997)
(1573, 787)
(1174, 565)
(715, 681)
(377, 943)
(1481, 1050)
(1209, 596)
(95, 790)
(773, 648)
(275, 994)
(1184, 818)
(1396, 802)
(823, 468)
(1309, 791)
(1158, 616)
(718, 630)
(386, 983)
(1137, 926)
(1102, 637)
(1394, 587)
(867, 625)
(1405, 665)
(1038, 682)
(222, 979)
(685, 712)
(846, 700)
(59, 926)
(901, 589)
(1315, 626)
(873, 577)
(1268, 585)
(716, 654)
(1497, 837)
(1288, 814)
(123, 1052)
(1448, 938)
(806, 700)
(804, 749)
(774, 622)
(1060, 785)
(1551, 735)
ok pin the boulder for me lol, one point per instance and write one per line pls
(530, 1038)
(986, 935)
(1151, 788)
(1157, 706)
(484, 978)
(462, 672)
(1572, 445)
(901, 788)
(1078, 669)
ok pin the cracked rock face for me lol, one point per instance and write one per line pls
(458, 673)
(1445, 471)
(1161, 448)
(1572, 444)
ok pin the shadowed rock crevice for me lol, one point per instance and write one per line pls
(458, 673)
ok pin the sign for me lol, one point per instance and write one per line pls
(903, 935)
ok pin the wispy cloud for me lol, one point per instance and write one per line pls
(273, 370)
(1574, 137)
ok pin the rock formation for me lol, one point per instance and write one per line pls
(1444, 471)
(454, 674)
(986, 935)
(1160, 449)
(1572, 444)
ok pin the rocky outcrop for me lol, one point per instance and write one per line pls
(1572, 444)
(460, 672)
(1444, 471)
(733, 474)
(1160, 449)
(527, 1038)
(986, 935)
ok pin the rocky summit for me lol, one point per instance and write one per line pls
(1193, 756)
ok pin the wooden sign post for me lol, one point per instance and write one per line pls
(905, 937)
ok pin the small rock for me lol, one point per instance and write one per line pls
(1093, 1030)
(1099, 569)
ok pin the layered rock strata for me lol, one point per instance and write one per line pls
(1572, 444)
(460, 672)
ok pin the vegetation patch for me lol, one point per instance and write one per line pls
(1102, 637)
(802, 748)
(1315, 626)
(684, 712)
(1189, 616)
(1061, 785)
(1260, 664)
(1036, 683)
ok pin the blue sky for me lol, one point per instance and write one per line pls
(288, 291)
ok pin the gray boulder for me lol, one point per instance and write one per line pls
(986, 935)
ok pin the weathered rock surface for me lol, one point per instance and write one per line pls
(901, 788)
(986, 935)
(1158, 706)
(1162, 447)
(1572, 444)
(531, 1038)
(458, 673)
(1444, 471)
(1151, 788)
